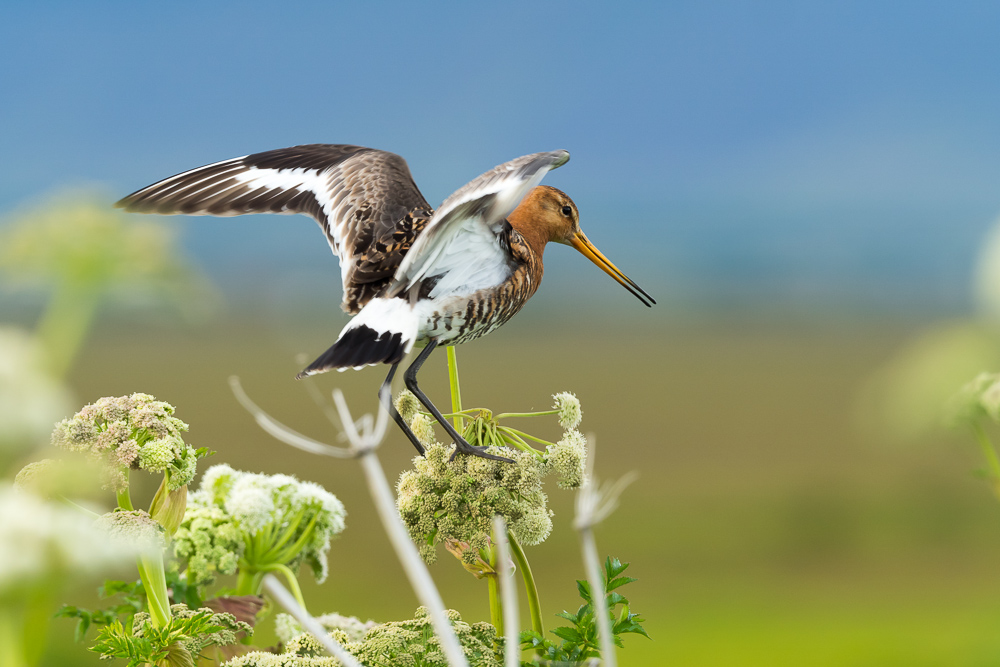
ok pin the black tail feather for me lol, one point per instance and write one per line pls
(359, 346)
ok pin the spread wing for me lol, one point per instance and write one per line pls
(365, 201)
(461, 243)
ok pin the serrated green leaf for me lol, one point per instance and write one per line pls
(583, 588)
(618, 581)
(569, 634)
(616, 599)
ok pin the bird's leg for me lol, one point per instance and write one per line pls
(385, 394)
(410, 378)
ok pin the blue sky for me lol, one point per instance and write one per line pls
(847, 151)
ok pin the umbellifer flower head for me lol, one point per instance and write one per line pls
(441, 499)
(353, 628)
(132, 529)
(569, 409)
(568, 458)
(231, 509)
(130, 432)
(407, 405)
(394, 644)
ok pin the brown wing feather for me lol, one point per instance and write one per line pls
(365, 200)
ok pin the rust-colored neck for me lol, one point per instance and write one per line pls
(535, 235)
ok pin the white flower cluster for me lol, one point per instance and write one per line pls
(42, 543)
(978, 397)
(136, 432)
(569, 409)
(287, 628)
(232, 507)
(568, 459)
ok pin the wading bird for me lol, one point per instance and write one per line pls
(412, 276)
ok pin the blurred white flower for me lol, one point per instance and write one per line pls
(44, 543)
(31, 400)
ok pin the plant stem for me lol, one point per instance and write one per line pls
(991, 455)
(529, 584)
(244, 580)
(512, 438)
(529, 436)
(65, 323)
(124, 498)
(493, 584)
(12, 648)
(505, 415)
(154, 580)
(598, 596)
(293, 582)
(456, 392)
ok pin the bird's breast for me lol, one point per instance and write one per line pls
(459, 318)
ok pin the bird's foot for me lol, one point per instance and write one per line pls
(461, 446)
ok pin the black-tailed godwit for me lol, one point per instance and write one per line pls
(413, 276)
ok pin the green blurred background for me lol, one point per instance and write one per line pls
(807, 189)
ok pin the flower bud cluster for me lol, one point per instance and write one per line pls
(287, 628)
(239, 515)
(130, 432)
(440, 499)
(409, 642)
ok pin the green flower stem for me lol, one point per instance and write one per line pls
(245, 580)
(528, 436)
(467, 412)
(493, 584)
(37, 616)
(529, 584)
(293, 582)
(518, 443)
(505, 415)
(456, 392)
(154, 580)
(124, 498)
(12, 649)
(272, 553)
(65, 323)
(991, 455)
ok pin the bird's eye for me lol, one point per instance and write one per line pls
(567, 211)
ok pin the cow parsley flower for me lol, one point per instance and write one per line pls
(287, 628)
(208, 540)
(43, 543)
(251, 523)
(410, 642)
(130, 432)
(407, 405)
(568, 458)
(569, 409)
(132, 529)
(441, 499)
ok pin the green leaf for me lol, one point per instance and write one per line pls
(583, 588)
(618, 581)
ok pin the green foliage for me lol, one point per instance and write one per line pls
(179, 642)
(580, 640)
(130, 600)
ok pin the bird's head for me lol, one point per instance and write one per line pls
(552, 216)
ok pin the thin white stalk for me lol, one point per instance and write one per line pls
(593, 505)
(592, 564)
(308, 623)
(409, 557)
(508, 594)
(363, 446)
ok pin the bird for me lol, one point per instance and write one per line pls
(412, 276)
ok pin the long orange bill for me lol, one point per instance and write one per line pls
(587, 249)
